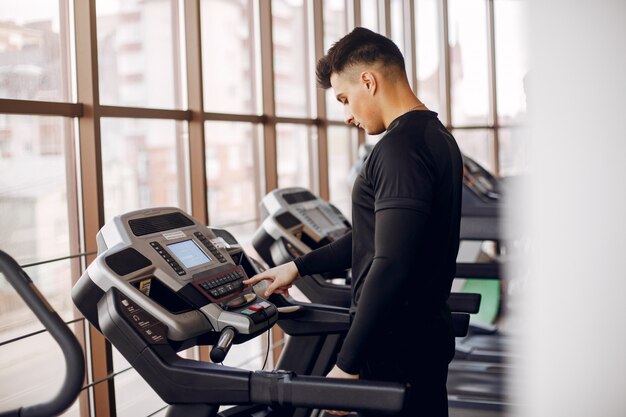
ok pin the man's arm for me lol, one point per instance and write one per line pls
(335, 256)
(397, 235)
(329, 258)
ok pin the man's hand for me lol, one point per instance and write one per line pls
(281, 278)
(337, 372)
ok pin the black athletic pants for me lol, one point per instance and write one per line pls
(422, 364)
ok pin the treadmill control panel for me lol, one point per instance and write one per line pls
(312, 221)
(295, 223)
(313, 212)
(220, 285)
(174, 271)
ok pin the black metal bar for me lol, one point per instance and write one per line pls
(72, 352)
(15, 339)
(78, 255)
(484, 271)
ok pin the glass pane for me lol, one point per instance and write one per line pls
(291, 82)
(469, 64)
(477, 144)
(428, 41)
(138, 53)
(228, 56)
(397, 25)
(33, 370)
(514, 151)
(33, 52)
(232, 166)
(294, 156)
(134, 397)
(511, 60)
(142, 164)
(369, 14)
(34, 211)
(342, 147)
(54, 281)
(335, 27)
(249, 355)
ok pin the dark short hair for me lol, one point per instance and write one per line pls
(361, 46)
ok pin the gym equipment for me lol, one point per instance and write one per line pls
(288, 231)
(297, 222)
(72, 352)
(162, 283)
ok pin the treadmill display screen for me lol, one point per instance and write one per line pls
(189, 253)
(319, 218)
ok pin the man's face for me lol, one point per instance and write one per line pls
(356, 94)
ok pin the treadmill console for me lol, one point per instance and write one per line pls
(176, 278)
(479, 180)
(303, 221)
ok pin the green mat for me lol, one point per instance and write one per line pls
(490, 301)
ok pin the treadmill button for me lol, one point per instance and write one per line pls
(258, 317)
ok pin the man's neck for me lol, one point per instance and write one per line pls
(398, 101)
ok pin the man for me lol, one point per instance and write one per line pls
(406, 205)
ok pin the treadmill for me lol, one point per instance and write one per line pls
(295, 222)
(477, 376)
(162, 283)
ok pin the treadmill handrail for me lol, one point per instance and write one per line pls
(478, 270)
(72, 351)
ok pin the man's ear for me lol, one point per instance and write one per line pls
(368, 81)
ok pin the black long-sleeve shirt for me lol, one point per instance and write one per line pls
(406, 214)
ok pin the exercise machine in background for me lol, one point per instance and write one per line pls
(72, 352)
(296, 222)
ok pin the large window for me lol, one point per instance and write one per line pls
(341, 166)
(369, 14)
(469, 66)
(477, 144)
(142, 165)
(34, 50)
(139, 53)
(290, 36)
(428, 53)
(294, 156)
(335, 27)
(232, 164)
(37, 213)
(228, 56)
(513, 78)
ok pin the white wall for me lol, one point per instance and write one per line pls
(574, 311)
